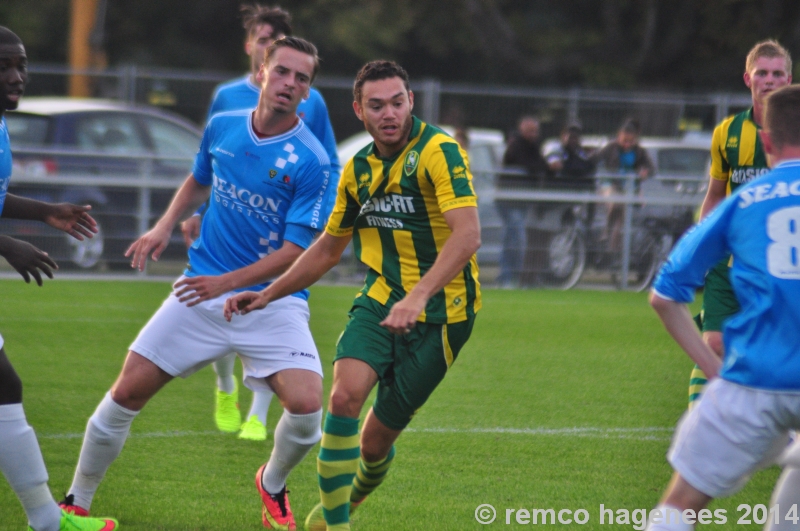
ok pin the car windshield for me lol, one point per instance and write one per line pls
(683, 160)
(27, 129)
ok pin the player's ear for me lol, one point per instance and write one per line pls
(747, 79)
(357, 109)
(410, 100)
(261, 74)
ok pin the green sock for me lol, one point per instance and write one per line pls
(336, 467)
(697, 382)
(369, 476)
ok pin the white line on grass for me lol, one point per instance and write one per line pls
(640, 434)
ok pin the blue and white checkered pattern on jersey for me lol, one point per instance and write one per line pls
(5, 162)
(760, 225)
(264, 191)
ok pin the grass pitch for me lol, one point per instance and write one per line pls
(560, 400)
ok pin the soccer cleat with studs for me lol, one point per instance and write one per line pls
(226, 414)
(276, 512)
(72, 522)
(68, 506)
(253, 430)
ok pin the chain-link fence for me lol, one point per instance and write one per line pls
(562, 237)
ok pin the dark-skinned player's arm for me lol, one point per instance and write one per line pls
(72, 219)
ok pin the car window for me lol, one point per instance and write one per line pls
(480, 158)
(690, 161)
(27, 129)
(109, 133)
(172, 140)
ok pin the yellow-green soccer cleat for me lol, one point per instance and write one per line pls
(71, 522)
(253, 430)
(227, 414)
(315, 521)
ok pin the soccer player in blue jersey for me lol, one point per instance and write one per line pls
(20, 456)
(267, 176)
(753, 398)
(263, 25)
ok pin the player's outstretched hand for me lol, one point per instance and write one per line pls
(190, 230)
(72, 219)
(194, 290)
(153, 241)
(243, 303)
(28, 260)
(403, 315)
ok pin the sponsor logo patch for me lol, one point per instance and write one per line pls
(303, 354)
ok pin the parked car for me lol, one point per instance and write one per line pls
(485, 152)
(125, 160)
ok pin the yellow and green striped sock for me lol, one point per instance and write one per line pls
(337, 464)
(697, 382)
(369, 476)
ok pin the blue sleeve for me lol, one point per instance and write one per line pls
(323, 130)
(696, 252)
(216, 104)
(202, 169)
(308, 208)
(299, 235)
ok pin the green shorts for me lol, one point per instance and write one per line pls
(409, 367)
(719, 301)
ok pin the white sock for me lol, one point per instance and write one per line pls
(23, 466)
(671, 520)
(295, 435)
(786, 494)
(105, 435)
(260, 405)
(224, 369)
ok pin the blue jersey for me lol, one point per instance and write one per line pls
(760, 225)
(264, 191)
(5, 162)
(241, 93)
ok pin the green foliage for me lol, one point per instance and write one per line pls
(540, 410)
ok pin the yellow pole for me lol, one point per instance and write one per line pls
(80, 52)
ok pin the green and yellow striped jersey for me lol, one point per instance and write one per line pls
(393, 207)
(737, 155)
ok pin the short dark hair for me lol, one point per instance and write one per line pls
(782, 116)
(9, 37)
(631, 126)
(376, 70)
(255, 15)
(295, 43)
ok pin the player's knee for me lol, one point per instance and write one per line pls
(303, 405)
(10, 387)
(345, 403)
(128, 396)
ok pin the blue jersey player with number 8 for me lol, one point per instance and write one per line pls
(753, 398)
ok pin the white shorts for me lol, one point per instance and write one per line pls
(731, 433)
(182, 340)
(2, 341)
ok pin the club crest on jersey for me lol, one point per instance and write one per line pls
(273, 173)
(364, 181)
(410, 164)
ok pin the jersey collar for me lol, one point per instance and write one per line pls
(270, 139)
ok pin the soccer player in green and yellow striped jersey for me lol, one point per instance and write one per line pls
(737, 157)
(407, 203)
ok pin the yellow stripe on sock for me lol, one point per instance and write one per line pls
(337, 442)
(329, 469)
(340, 496)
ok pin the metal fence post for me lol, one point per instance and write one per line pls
(145, 192)
(626, 230)
(431, 90)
